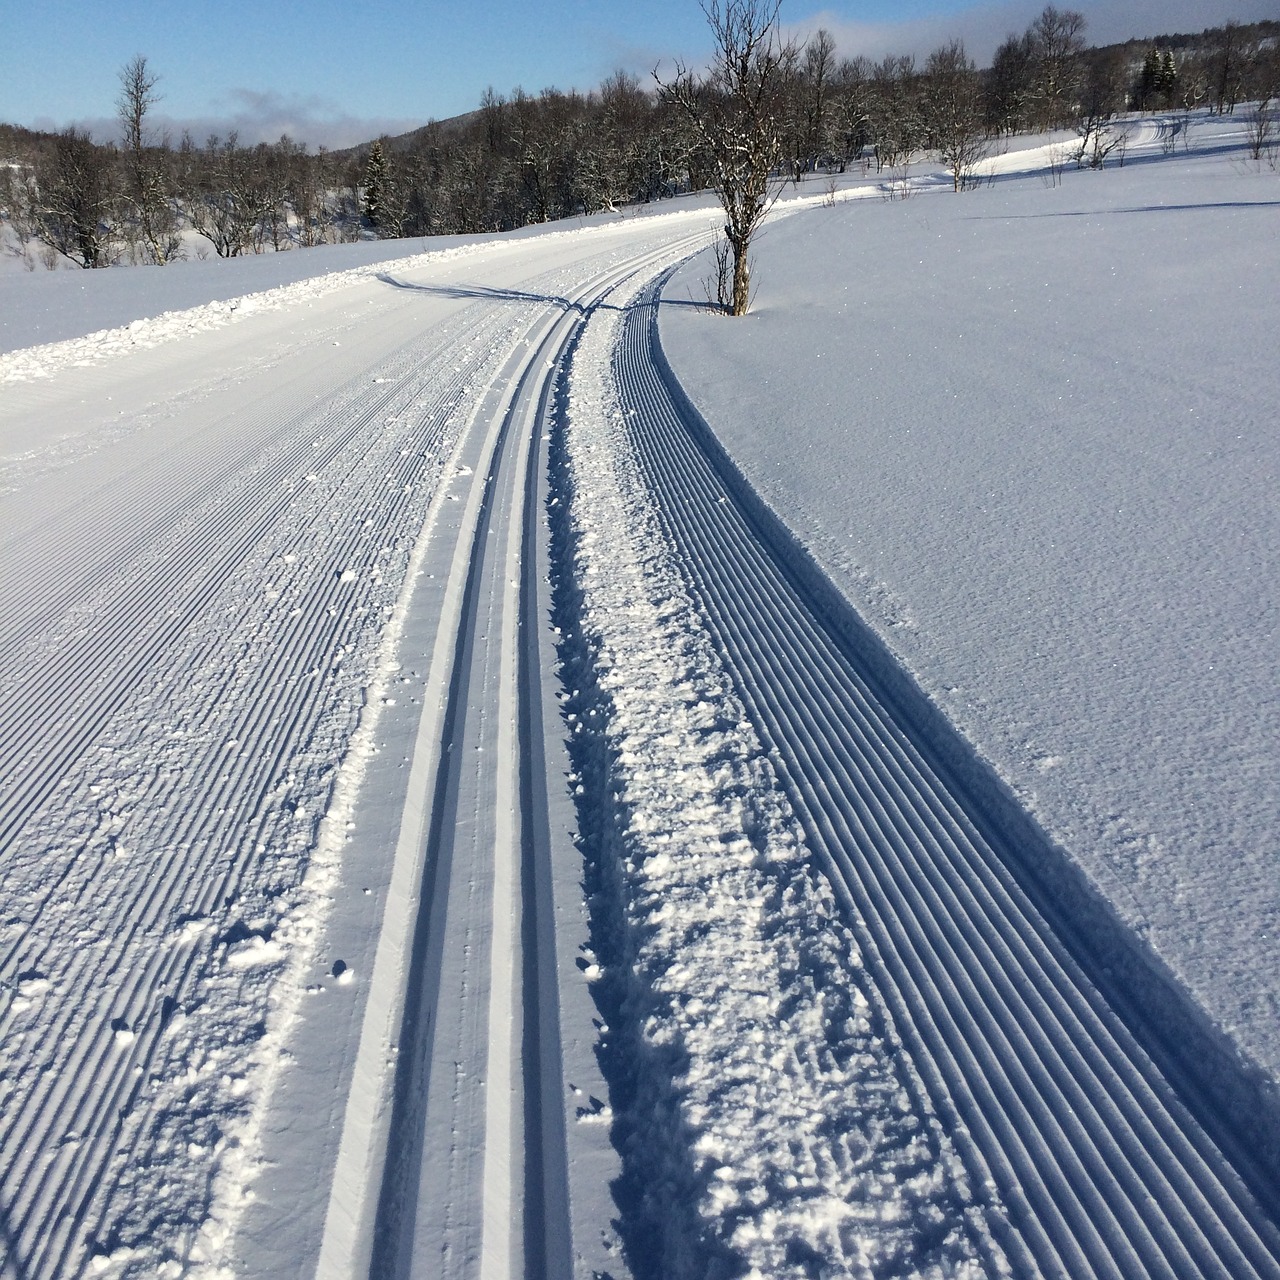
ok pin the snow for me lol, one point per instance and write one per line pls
(234, 663)
(1030, 432)
(123, 306)
(750, 1014)
(42, 307)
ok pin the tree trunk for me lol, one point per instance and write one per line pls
(741, 280)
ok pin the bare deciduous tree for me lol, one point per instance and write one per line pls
(1057, 37)
(224, 196)
(1261, 126)
(272, 166)
(733, 109)
(1100, 134)
(851, 107)
(810, 116)
(1227, 67)
(72, 200)
(896, 123)
(153, 225)
(818, 69)
(611, 163)
(954, 99)
(1009, 84)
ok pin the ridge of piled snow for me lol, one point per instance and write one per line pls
(120, 289)
(151, 331)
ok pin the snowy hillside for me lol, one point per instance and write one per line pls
(1032, 434)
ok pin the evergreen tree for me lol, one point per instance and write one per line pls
(1167, 81)
(376, 181)
(1149, 80)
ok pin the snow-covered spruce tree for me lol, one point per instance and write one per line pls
(1167, 78)
(1148, 80)
(734, 109)
(377, 178)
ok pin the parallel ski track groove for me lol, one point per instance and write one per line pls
(394, 1242)
(1104, 1172)
(50, 1195)
(545, 1242)
(392, 1248)
(308, 627)
(201, 566)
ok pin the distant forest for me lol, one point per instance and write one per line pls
(526, 158)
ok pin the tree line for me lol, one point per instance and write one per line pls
(524, 158)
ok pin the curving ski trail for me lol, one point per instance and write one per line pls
(299, 975)
(196, 593)
(1093, 1164)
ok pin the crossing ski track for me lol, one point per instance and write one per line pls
(290, 859)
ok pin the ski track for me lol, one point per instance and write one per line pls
(468, 1168)
(158, 767)
(839, 1036)
(189, 645)
(1090, 1162)
(769, 1121)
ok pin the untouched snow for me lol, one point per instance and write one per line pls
(1031, 433)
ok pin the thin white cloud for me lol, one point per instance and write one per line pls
(984, 27)
(262, 116)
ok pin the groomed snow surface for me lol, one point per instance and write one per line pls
(507, 773)
(1032, 436)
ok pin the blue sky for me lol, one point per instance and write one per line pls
(338, 72)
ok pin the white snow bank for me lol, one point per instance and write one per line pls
(52, 320)
(1031, 433)
(45, 307)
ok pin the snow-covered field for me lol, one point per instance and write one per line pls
(1033, 436)
(461, 816)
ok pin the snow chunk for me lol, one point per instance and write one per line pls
(254, 951)
(32, 988)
